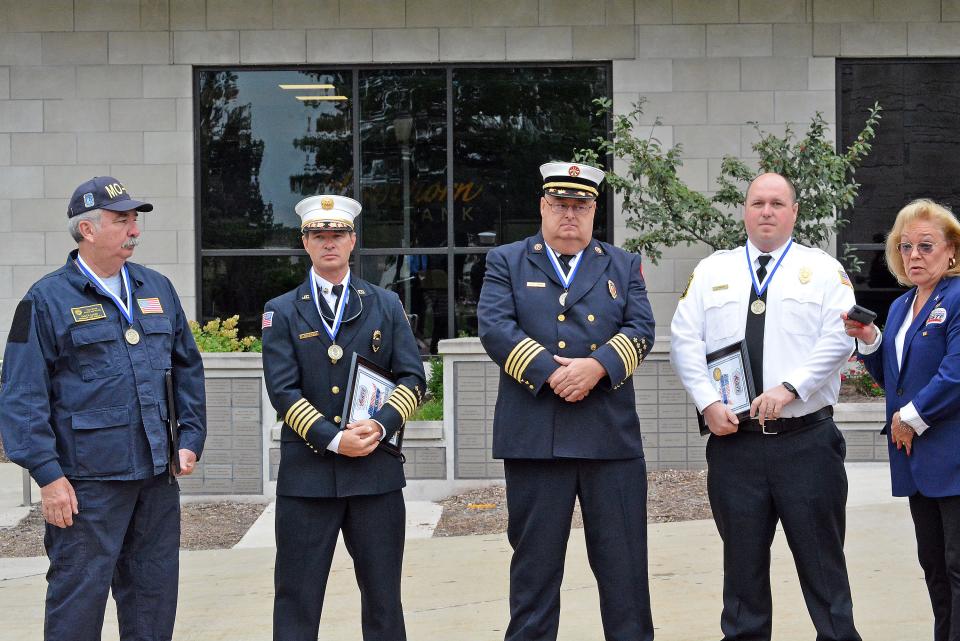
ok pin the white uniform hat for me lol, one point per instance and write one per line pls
(327, 212)
(571, 180)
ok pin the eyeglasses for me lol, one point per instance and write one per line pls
(924, 248)
(561, 208)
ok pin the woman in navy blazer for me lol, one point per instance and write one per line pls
(918, 365)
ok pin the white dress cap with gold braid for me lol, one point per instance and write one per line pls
(571, 180)
(327, 212)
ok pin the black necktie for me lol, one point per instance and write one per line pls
(565, 261)
(338, 291)
(754, 332)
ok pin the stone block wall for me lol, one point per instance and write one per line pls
(105, 87)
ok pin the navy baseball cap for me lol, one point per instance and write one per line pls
(103, 192)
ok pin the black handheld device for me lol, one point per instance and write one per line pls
(861, 314)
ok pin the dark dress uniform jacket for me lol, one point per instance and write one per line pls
(605, 315)
(77, 400)
(300, 381)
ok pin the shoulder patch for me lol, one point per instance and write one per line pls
(20, 328)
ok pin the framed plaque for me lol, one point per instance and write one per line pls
(368, 388)
(730, 372)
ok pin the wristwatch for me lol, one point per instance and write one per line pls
(790, 388)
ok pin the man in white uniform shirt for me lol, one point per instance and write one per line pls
(785, 463)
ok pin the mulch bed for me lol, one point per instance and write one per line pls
(672, 495)
(203, 526)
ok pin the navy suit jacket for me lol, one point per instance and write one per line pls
(930, 377)
(308, 391)
(522, 324)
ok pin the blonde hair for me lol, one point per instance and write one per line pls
(922, 209)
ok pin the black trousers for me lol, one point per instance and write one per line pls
(796, 478)
(613, 501)
(306, 530)
(125, 538)
(937, 524)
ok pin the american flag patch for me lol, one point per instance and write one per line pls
(844, 279)
(150, 305)
(267, 320)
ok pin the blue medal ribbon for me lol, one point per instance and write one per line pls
(766, 281)
(566, 279)
(338, 312)
(125, 309)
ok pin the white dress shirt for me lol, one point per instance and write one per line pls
(804, 342)
(908, 413)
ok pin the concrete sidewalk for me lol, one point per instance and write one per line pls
(456, 588)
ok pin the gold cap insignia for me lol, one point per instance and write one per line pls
(326, 203)
(574, 170)
(612, 288)
(805, 275)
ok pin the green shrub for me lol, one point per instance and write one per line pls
(221, 336)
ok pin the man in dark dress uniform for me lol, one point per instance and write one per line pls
(567, 319)
(83, 406)
(335, 476)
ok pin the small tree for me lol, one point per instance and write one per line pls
(666, 212)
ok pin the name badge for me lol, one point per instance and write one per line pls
(308, 335)
(88, 313)
(718, 288)
(534, 283)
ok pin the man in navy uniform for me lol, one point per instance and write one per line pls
(83, 406)
(336, 477)
(567, 319)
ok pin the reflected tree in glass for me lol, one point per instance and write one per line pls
(233, 211)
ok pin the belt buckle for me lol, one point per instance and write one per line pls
(763, 429)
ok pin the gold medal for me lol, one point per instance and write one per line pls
(335, 352)
(758, 307)
(563, 298)
(132, 336)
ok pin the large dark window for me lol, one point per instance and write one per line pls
(412, 145)
(916, 153)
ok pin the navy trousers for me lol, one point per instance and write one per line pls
(373, 531)
(613, 502)
(126, 537)
(796, 478)
(937, 524)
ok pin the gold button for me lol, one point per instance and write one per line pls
(561, 318)
(593, 346)
(591, 318)
(336, 419)
(561, 344)
(335, 389)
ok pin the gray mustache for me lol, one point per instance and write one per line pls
(131, 243)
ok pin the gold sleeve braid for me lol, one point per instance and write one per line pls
(520, 358)
(627, 353)
(404, 401)
(301, 416)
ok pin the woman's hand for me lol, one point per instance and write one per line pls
(866, 334)
(901, 434)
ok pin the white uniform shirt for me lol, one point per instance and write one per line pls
(804, 342)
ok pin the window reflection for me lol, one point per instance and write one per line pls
(507, 121)
(420, 280)
(403, 154)
(262, 150)
(243, 284)
(468, 279)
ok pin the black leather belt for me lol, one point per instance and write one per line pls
(781, 425)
